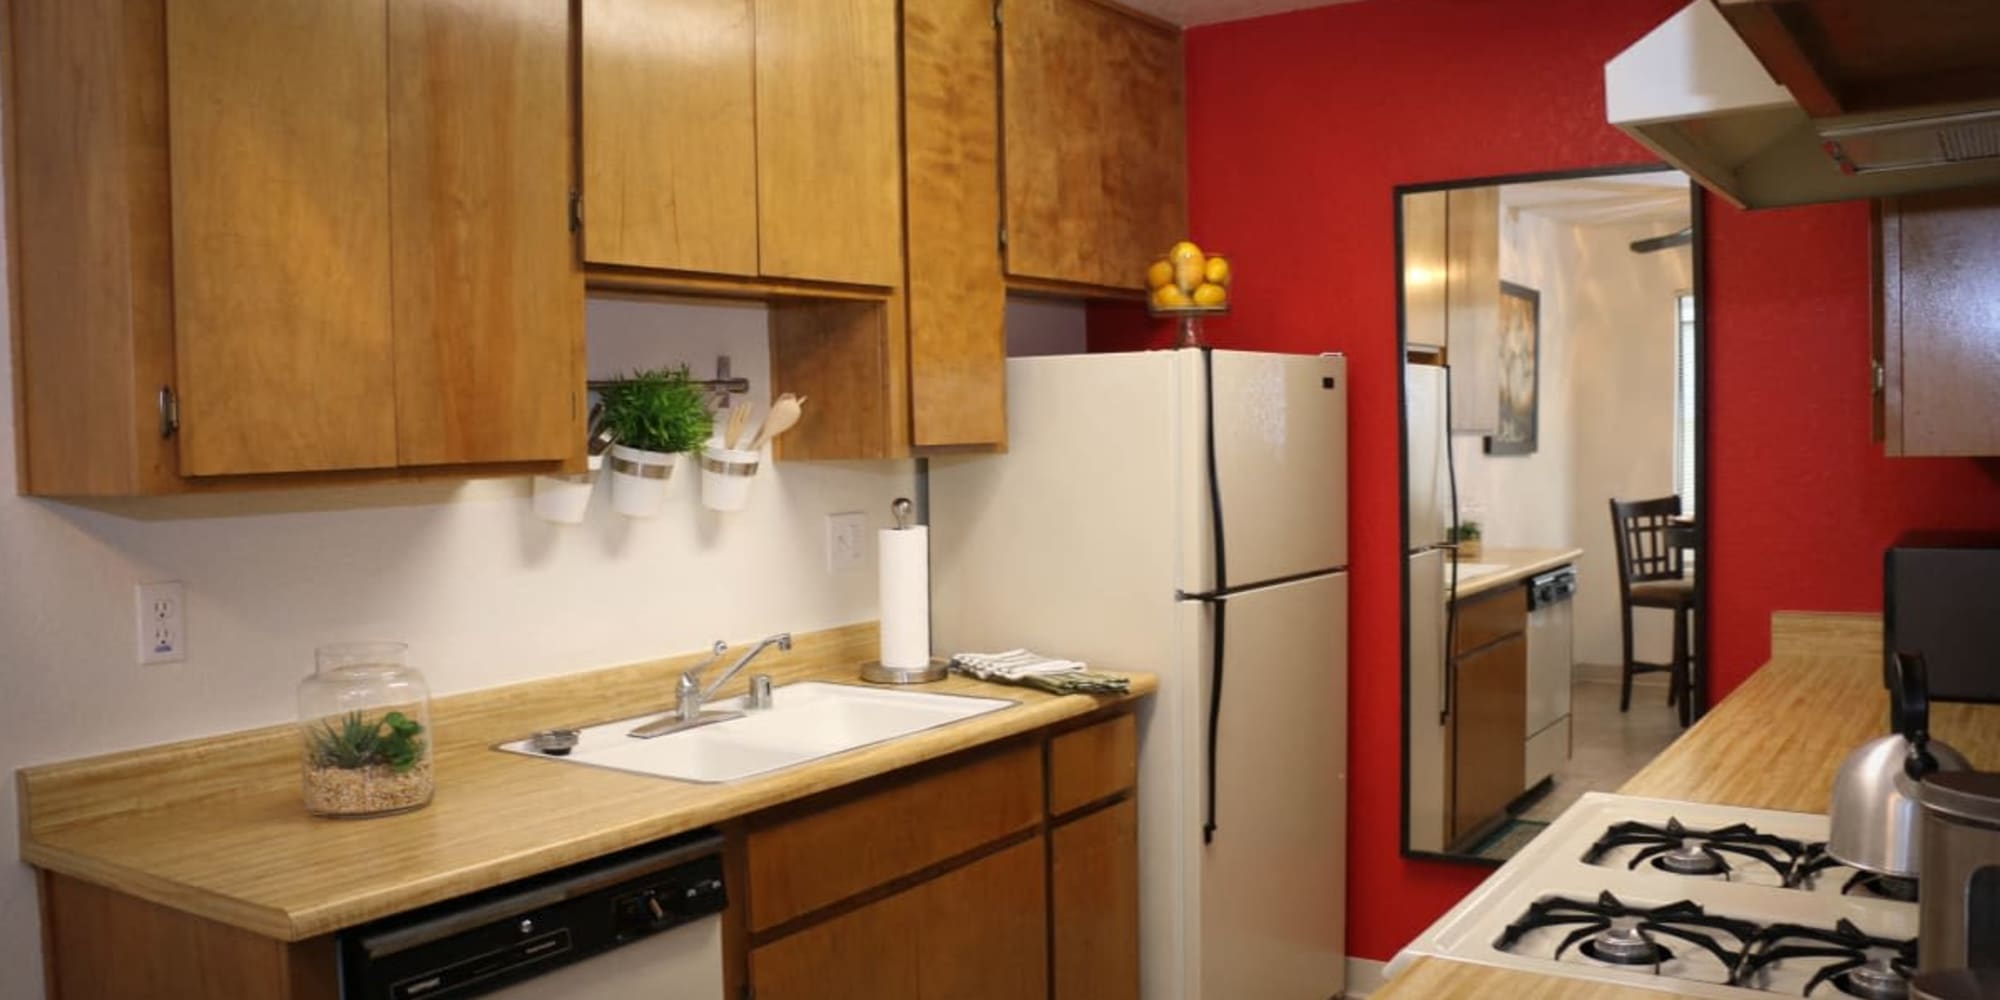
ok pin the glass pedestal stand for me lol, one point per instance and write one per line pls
(1188, 323)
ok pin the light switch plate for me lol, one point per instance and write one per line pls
(162, 634)
(846, 533)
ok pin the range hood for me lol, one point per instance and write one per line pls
(1696, 92)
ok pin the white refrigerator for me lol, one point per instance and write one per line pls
(1431, 513)
(1096, 537)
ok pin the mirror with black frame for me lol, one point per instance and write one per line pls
(1553, 464)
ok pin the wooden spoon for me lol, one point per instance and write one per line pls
(784, 413)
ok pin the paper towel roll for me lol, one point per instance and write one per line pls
(905, 562)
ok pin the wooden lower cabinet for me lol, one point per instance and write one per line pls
(977, 933)
(1094, 885)
(1490, 712)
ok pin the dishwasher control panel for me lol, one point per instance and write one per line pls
(512, 933)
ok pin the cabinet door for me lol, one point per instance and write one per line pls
(1472, 307)
(865, 954)
(488, 300)
(829, 146)
(957, 294)
(1489, 712)
(279, 150)
(977, 933)
(669, 135)
(1424, 258)
(1940, 279)
(984, 929)
(1094, 881)
(1095, 137)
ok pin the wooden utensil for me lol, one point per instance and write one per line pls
(739, 421)
(784, 413)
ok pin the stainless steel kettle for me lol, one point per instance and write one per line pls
(1876, 816)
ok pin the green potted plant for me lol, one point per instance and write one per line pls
(1468, 540)
(363, 764)
(654, 416)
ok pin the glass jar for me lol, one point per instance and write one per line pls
(365, 723)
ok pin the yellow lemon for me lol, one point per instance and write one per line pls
(1160, 275)
(1169, 297)
(1210, 295)
(1188, 264)
(1216, 270)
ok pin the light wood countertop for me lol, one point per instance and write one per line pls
(1521, 564)
(1775, 743)
(216, 827)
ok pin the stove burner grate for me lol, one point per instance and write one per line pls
(1860, 965)
(1815, 860)
(1609, 931)
(1682, 850)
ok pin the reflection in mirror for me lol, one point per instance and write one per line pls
(1552, 343)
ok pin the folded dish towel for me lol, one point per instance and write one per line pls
(1020, 666)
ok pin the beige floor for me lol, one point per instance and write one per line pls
(1609, 746)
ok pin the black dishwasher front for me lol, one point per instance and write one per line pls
(538, 926)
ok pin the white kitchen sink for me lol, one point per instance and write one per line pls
(805, 722)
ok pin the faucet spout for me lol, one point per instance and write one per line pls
(782, 640)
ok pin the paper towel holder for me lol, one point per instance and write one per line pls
(875, 673)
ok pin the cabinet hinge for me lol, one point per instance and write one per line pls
(170, 412)
(1881, 376)
(999, 19)
(1003, 236)
(575, 211)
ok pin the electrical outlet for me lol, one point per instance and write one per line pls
(844, 540)
(162, 623)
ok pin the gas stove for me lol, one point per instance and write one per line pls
(1687, 898)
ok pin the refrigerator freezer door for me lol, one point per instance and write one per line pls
(1281, 446)
(1273, 881)
(1430, 481)
(1428, 792)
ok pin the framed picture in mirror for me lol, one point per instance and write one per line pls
(1520, 371)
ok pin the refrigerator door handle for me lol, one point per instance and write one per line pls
(1448, 676)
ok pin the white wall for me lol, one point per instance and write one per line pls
(1523, 501)
(1607, 397)
(1038, 326)
(484, 593)
(1625, 331)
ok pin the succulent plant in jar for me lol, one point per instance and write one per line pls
(364, 717)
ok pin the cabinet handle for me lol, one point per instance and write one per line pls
(1881, 375)
(170, 412)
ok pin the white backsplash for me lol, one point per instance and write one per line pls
(484, 593)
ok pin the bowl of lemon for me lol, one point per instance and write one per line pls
(1188, 282)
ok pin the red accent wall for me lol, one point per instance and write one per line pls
(1300, 126)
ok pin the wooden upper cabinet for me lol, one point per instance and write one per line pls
(1424, 269)
(488, 299)
(669, 134)
(1472, 307)
(278, 122)
(829, 145)
(957, 291)
(299, 236)
(1095, 143)
(1940, 322)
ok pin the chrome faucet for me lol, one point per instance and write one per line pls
(690, 695)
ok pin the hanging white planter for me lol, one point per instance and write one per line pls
(726, 475)
(565, 499)
(639, 479)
